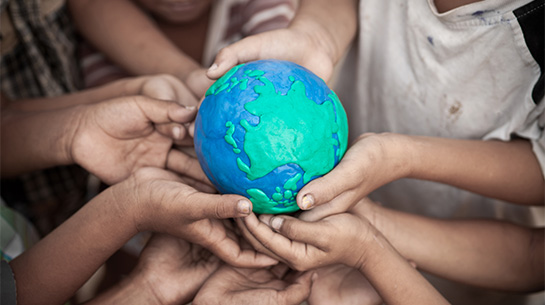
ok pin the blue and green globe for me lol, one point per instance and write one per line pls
(265, 129)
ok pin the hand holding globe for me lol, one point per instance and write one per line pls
(267, 128)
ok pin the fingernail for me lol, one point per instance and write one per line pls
(176, 131)
(276, 222)
(190, 107)
(308, 202)
(314, 277)
(213, 67)
(191, 129)
(244, 207)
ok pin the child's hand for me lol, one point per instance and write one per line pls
(158, 201)
(372, 160)
(174, 268)
(169, 271)
(230, 285)
(112, 139)
(305, 245)
(163, 87)
(285, 44)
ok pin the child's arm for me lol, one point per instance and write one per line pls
(486, 253)
(347, 239)
(111, 139)
(163, 87)
(127, 36)
(150, 200)
(317, 38)
(507, 171)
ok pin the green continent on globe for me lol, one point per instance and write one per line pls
(292, 129)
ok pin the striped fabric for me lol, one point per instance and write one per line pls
(38, 60)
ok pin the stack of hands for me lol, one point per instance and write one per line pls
(132, 135)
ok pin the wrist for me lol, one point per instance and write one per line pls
(73, 130)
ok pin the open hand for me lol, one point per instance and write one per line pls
(159, 201)
(174, 268)
(116, 137)
(230, 285)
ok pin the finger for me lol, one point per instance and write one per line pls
(338, 205)
(199, 186)
(160, 112)
(324, 189)
(184, 96)
(185, 165)
(242, 51)
(296, 230)
(279, 270)
(298, 291)
(253, 241)
(175, 131)
(230, 252)
(278, 244)
(207, 206)
(167, 87)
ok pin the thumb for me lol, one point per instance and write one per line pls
(223, 207)
(326, 188)
(239, 52)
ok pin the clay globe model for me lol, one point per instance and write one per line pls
(265, 129)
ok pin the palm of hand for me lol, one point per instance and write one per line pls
(117, 139)
(230, 285)
(160, 202)
(175, 269)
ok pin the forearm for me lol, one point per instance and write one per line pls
(59, 264)
(333, 24)
(491, 254)
(37, 140)
(107, 23)
(123, 87)
(394, 278)
(504, 170)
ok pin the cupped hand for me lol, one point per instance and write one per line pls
(158, 201)
(231, 285)
(116, 137)
(174, 269)
(372, 161)
(302, 245)
(283, 44)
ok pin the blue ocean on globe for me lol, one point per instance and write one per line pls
(265, 129)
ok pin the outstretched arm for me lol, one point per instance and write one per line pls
(118, 28)
(150, 200)
(317, 38)
(487, 253)
(507, 171)
(347, 239)
(161, 86)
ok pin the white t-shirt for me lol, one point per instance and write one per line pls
(467, 73)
